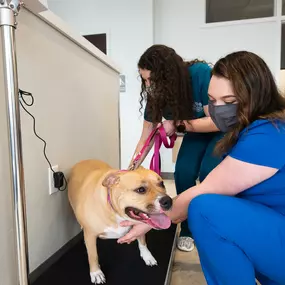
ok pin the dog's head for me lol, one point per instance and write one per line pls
(139, 195)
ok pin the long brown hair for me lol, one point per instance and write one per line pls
(255, 89)
(170, 84)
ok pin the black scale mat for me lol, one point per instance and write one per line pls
(121, 264)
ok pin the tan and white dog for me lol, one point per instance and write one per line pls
(102, 197)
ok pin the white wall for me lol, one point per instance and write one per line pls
(44, 2)
(181, 24)
(73, 92)
(133, 25)
(129, 28)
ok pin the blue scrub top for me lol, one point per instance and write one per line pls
(200, 75)
(263, 143)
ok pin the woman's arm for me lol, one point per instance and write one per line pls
(233, 176)
(148, 127)
(201, 125)
(230, 177)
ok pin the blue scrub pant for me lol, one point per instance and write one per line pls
(195, 159)
(238, 240)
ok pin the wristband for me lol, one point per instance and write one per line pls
(181, 128)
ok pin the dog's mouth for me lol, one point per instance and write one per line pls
(158, 221)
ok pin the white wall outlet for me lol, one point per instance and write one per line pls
(52, 190)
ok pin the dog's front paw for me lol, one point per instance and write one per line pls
(150, 261)
(148, 258)
(98, 277)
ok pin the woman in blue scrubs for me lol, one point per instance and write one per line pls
(237, 214)
(178, 92)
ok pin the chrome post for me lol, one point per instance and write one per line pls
(9, 10)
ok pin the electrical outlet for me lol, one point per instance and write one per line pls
(52, 190)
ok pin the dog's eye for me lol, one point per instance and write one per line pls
(141, 190)
(161, 184)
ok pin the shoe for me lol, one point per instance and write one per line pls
(185, 244)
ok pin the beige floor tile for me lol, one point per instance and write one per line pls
(186, 269)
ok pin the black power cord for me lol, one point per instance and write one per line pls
(58, 176)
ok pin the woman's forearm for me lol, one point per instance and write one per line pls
(188, 195)
(147, 129)
(145, 153)
(201, 125)
(214, 183)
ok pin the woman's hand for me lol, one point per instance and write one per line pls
(169, 127)
(179, 210)
(136, 231)
(148, 127)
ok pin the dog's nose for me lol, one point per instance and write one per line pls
(165, 203)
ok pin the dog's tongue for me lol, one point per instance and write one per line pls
(160, 221)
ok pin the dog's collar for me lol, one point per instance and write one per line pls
(109, 199)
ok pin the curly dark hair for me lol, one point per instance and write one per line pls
(256, 92)
(170, 84)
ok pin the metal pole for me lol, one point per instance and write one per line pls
(8, 11)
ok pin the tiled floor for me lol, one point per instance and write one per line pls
(187, 269)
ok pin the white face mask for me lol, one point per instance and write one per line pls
(149, 90)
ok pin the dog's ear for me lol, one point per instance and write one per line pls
(110, 180)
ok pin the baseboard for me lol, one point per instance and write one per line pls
(167, 175)
(54, 258)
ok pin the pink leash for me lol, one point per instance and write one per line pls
(160, 137)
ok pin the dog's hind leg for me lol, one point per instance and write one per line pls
(145, 253)
(97, 276)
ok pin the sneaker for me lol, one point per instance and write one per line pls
(185, 244)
